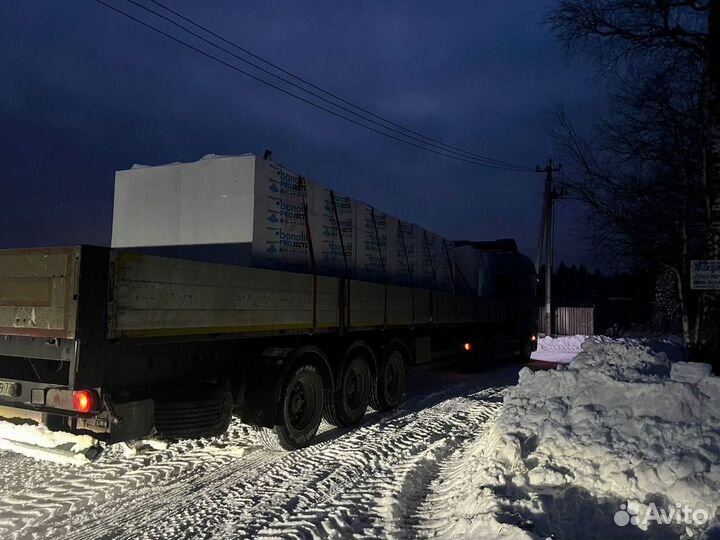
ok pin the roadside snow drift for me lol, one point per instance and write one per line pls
(619, 426)
(41, 443)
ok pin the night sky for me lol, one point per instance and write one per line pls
(85, 92)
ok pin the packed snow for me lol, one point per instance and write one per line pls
(597, 448)
(559, 350)
(372, 481)
(562, 349)
(39, 442)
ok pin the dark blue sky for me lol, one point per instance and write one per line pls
(85, 92)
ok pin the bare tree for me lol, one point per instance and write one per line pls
(650, 173)
(639, 174)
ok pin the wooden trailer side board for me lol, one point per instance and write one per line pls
(156, 296)
(38, 292)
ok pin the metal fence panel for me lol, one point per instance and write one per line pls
(569, 321)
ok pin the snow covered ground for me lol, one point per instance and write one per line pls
(373, 481)
(562, 349)
(584, 451)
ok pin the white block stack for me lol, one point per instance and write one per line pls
(231, 200)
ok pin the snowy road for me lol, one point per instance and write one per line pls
(390, 477)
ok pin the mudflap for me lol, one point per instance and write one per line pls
(134, 420)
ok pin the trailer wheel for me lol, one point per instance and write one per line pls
(390, 384)
(347, 404)
(301, 407)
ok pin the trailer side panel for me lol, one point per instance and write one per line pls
(155, 296)
(160, 297)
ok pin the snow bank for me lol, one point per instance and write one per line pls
(620, 424)
(39, 442)
(562, 349)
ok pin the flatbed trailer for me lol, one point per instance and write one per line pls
(123, 346)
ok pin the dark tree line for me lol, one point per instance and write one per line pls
(649, 173)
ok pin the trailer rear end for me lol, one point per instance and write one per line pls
(53, 305)
(39, 321)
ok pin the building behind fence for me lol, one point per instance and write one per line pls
(569, 321)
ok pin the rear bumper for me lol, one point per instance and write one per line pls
(25, 361)
(46, 397)
(48, 405)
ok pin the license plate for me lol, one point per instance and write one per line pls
(10, 389)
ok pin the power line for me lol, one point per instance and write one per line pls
(472, 161)
(439, 145)
(435, 142)
(420, 139)
(480, 160)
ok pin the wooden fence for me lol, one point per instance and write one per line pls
(568, 321)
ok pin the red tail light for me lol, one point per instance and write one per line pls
(84, 401)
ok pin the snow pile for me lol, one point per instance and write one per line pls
(620, 424)
(562, 349)
(37, 441)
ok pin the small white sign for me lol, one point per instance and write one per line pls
(705, 275)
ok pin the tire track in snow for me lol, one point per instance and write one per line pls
(328, 489)
(453, 482)
(243, 504)
(75, 493)
(153, 505)
(111, 520)
(371, 481)
(384, 503)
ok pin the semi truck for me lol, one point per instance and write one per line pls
(171, 339)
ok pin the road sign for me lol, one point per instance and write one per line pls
(705, 275)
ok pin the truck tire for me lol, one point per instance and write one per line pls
(301, 408)
(347, 404)
(389, 387)
(205, 416)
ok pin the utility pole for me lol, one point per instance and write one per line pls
(547, 227)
